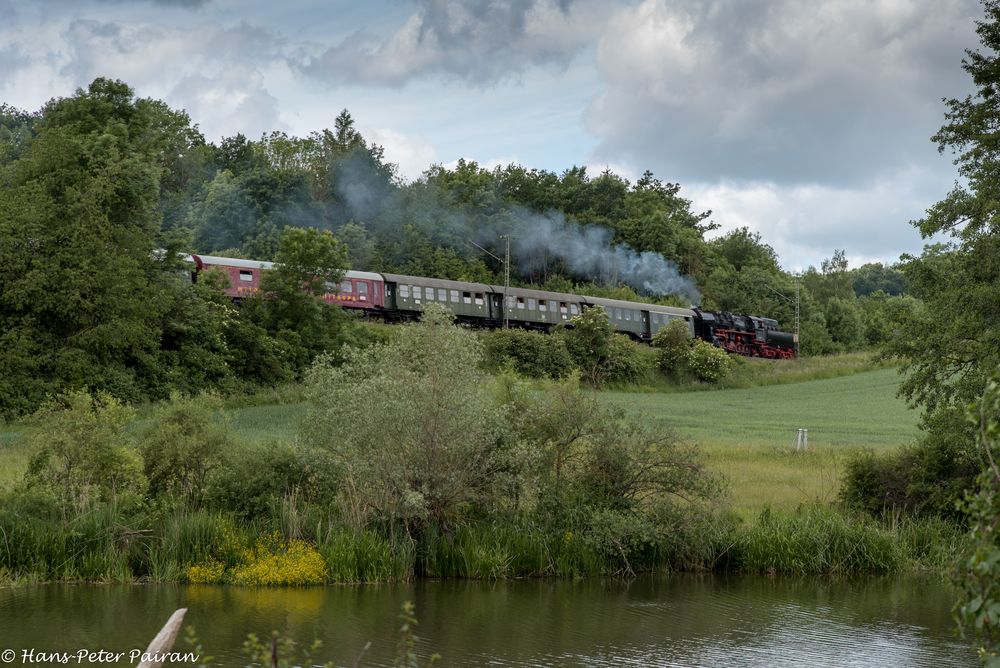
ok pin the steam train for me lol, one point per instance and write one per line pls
(395, 297)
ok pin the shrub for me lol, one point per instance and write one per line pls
(82, 455)
(531, 354)
(180, 447)
(673, 345)
(708, 363)
(412, 425)
(625, 363)
(873, 484)
(254, 480)
(601, 355)
(926, 480)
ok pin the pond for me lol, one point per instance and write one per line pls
(708, 620)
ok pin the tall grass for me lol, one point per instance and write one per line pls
(91, 546)
(364, 556)
(816, 540)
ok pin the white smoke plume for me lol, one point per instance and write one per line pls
(538, 240)
(589, 252)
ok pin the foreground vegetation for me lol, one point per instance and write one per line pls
(408, 461)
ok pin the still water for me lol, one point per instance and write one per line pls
(652, 621)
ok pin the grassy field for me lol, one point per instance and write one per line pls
(749, 434)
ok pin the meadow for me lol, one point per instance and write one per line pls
(747, 434)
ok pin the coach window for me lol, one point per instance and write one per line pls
(442, 295)
(628, 314)
(541, 304)
(531, 304)
(520, 302)
(479, 299)
(429, 294)
(362, 288)
(345, 287)
(563, 307)
(573, 309)
(553, 306)
(416, 292)
(510, 302)
(467, 297)
(246, 276)
(404, 291)
(618, 314)
(454, 297)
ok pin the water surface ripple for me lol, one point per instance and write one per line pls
(650, 621)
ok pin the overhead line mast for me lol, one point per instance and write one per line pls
(505, 261)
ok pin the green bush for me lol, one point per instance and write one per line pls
(253, 481)
(531, 354)
(180, 447)
(82, 456)
(924, 480)
(708, 363)
(625, 362)
(673, 349)
(601, 355)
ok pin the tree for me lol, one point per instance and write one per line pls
(290, 306)
(83, 457)
(875, 276)
(843, 321)
(952, 347)
(954, 344)
(601, 354)
(411, 424)
(979, 607)
(79, 212)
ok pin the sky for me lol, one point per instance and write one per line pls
(806, 121)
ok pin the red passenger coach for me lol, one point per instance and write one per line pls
(358, 289)
(244, 275)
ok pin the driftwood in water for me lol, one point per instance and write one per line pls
(164, 640)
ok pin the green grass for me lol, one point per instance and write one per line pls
(857, 410)
(14, 455)
(748, 435)
(259, 424)
(756, 372)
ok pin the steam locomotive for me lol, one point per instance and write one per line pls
(396, 297)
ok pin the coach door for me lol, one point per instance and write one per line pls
(496, 307)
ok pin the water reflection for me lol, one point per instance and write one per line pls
(654, 621)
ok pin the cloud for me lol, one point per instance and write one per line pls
(778, 90)
(234, 100)
(477, 41)
(11, 60)
(806, 223)
(413, 154)
(183, 4)
(217, 74)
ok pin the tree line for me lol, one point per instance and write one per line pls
(95, 186)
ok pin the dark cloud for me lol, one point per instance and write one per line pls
(779, 90)
(479, 41)
(184, 4)
(11, 60)
(233, 100)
